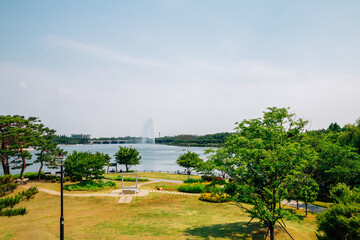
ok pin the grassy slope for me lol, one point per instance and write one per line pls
(157, 216)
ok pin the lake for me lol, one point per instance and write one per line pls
(153, 156)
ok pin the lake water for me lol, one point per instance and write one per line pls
(153, 156)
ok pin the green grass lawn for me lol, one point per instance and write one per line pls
(157, 216)
(323, 204)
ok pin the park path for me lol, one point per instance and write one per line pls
(126, 198)
(310, 207)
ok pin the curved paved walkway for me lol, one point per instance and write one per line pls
(310, 207)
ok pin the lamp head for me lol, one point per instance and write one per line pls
(60, 159)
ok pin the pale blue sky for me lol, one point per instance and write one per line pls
(106, 67)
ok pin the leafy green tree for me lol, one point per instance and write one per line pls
(336, 163)
(351, 135)
(86, 166)
(189, 161)
(17, 133)
(7, 203)
(267, 154)
(308, 192)
(47, 149)
(342, 219)
(127, 156)
(219, 160)
(334, 127)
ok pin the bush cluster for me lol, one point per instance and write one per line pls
(193, 180)
(89, 186)
(215, 197)
(192, 188)
(34, 175)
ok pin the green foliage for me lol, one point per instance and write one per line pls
(192, 188)
(86, 166)
(127, 156)
(219, 160)
(308, 191)
(215, 197)
(192, 140)
(263, 157)
(7, 185)
(342, 219)
(351, 135)
(89, 186)
(47, 150)
(7, 203)
(62, 139)
(336, 163)
(130, 179)
(189, 161)
(193, 180)
(18, 133)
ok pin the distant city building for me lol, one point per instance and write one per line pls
(81, 136)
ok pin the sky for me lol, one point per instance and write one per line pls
(109, 68)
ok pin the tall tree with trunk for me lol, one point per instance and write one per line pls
(308, 192)
(189, 161)
(47, 149)
(267, 155)
(17, 133)
(127, 156)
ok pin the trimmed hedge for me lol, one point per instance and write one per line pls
(192, 188)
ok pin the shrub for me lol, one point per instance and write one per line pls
(193, 180)
(31, 175)
(89, 186)
(192, 188)
(214, 188)
(215, 197)
(341, 220)
(130, 179)
(207, 178)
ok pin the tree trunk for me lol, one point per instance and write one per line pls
(127, 168)
(41, 165)
(23, 165)
(272, 233)
(5, 164)
(306, 208)
(297, 204)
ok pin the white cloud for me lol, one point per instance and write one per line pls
(65, 91)
(23, 84)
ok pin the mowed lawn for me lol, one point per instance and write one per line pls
(157, 216)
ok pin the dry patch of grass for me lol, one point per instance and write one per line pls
(165, 185)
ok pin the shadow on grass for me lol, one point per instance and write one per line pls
(297, 214)
(238, 230)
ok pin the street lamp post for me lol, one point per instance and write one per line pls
(60, 161)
